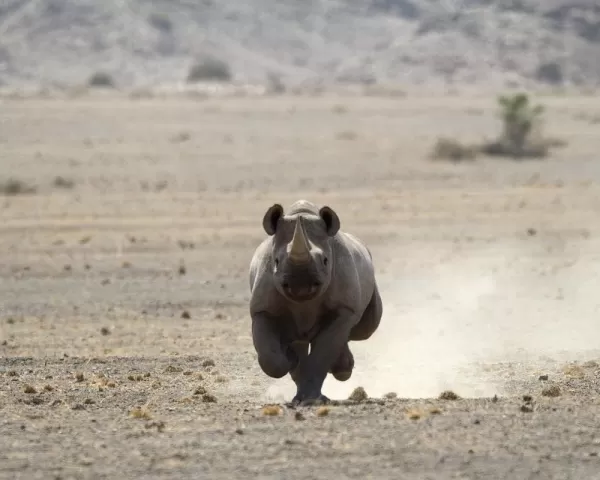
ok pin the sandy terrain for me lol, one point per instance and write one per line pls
(129, 290)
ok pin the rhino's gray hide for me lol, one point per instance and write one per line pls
(311, 285)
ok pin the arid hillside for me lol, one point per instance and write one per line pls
(429, 42)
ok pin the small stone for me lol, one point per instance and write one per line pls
(322, 411)
(105, 331)
(186, 315)
(543, 378)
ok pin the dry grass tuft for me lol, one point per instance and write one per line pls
(448, 395)
(552, 391)
(358, 395)
(141, 413)
(14, 186)
(453, 150)
(574, 371)
(414, 413)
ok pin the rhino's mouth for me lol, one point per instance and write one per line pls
(301, 293)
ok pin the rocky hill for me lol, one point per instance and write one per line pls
(427, 42)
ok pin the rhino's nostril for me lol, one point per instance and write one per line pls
(285, 285)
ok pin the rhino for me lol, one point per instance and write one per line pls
(311, 285)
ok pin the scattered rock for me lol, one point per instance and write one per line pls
(105, 331)
(29, 389)
(322, 411)
(186, 315)
(79, 377)
(543, 378)
(298, 416)
(271, 410)
(208, 363)
(208, 398)
(531, 232)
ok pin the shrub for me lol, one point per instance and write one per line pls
(449, 149)
(13, 186)
(161, 21)
(102, 80)
(521, 131)
(209, 69)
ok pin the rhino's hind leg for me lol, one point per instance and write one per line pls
(370, 319)
(343, 366)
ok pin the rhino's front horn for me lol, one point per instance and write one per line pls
(299, 246)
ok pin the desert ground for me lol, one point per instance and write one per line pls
(125, 347)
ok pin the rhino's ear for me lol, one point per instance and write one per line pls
(271, 218)
(331, 219)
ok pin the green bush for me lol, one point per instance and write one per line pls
(521, 129)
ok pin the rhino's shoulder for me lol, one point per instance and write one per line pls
(260, 261)
(352, 244)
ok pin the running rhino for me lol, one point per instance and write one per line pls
(311, 284)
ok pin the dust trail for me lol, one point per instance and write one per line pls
(457, 324)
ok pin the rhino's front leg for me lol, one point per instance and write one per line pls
(275, 357)
(325, 350)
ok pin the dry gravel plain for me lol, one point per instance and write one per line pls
(125, 347)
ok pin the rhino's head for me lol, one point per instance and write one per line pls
(301, 253)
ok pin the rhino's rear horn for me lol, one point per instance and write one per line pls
(299, 246)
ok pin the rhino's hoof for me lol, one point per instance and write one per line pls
(299, 401)
(342, 376)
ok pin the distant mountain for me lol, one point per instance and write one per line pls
(428, 42)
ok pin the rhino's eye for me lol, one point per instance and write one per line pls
(276, 262)
(325, 261)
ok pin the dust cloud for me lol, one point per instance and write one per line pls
(469, 323)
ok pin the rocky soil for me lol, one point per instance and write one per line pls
(125, 347)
